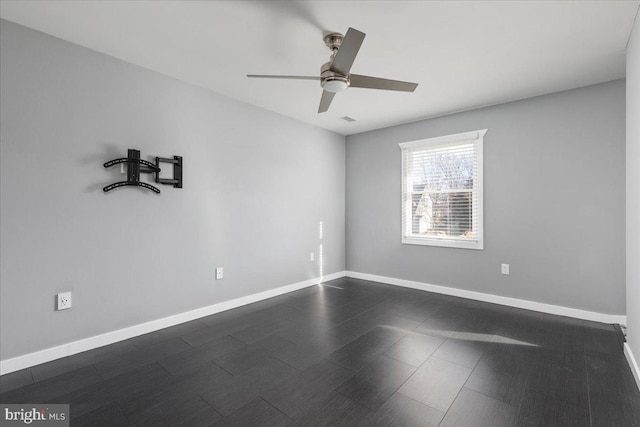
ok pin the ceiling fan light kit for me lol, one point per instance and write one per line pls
(332, 81)
(334, 75)
(335, 84)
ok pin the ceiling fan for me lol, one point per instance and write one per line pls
(334, 75)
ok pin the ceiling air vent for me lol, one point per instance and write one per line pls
(348, 119)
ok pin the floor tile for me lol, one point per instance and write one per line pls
(400, 410)
(464, 349)
(191, 383)
(50, 389)
(255, 413)
(216, 330)
(414, 348)
(360, 351)
(352, 329)
(441, 324)
(250, 355)
(562, 324)
(81, 360)
(229, 395)
(258, 332)
(15, 380)
(94, 396)
(393, 315)
(472, 409)
(344, 312)
(539, 409)
(268, 316)
(156, 337)
(389, 333)
(334, 411)
(503, 373)
(601, 341)
(436, 383)
(613, 397)
(200, 355)
(376, 382)
(301, 356)
(307, 389)
(138, 358)
(609, 412)
(588, 324)
(181, 411)
(562, 375)
(308, 331)
(399, 322)
(228, 315)
(106, 416)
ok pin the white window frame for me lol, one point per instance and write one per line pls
(476, 136)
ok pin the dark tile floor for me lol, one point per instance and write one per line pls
(349, 353)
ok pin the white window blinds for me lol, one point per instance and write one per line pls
(442, 191)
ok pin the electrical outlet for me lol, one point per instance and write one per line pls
(64, 301)
(312, 256)
(504, 269)
(219, 273)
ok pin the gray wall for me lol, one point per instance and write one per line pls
(633, 192)
(256, 186)
(554, 186)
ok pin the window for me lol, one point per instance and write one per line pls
(442, 191)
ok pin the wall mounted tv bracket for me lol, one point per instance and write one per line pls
(134, 169)
(136, 166)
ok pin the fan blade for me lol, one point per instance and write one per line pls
(368, 82)
(273, 76)
(325, 101)
(347, 52)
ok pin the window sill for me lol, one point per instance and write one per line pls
(443, 243)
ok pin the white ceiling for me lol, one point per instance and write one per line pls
(463, 54)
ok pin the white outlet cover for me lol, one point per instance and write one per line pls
(64, 301)
(504, 269)
(312, 256)
(219, 273)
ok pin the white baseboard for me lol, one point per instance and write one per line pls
(633, 363)
(495, 299)
(49, 354)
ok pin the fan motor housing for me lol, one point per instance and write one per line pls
(332, 81)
